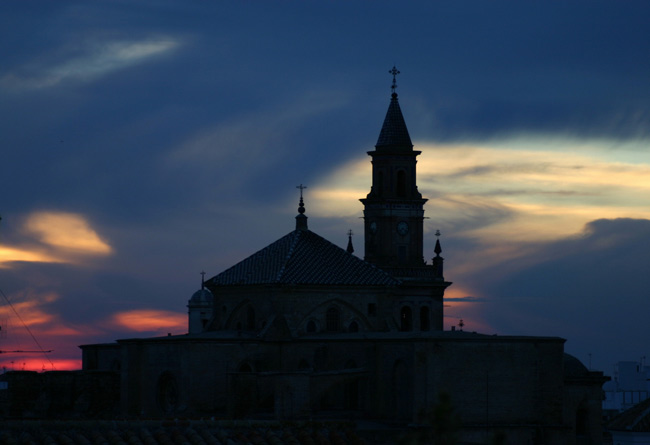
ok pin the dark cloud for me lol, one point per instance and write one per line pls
(591, 289)
(180, 130)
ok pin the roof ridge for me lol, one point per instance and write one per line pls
(292, 248)
(303, 257)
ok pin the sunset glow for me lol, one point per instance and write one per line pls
(66, 230)
(138, 153)
(537, 194)
(151, 320)
(10, 254)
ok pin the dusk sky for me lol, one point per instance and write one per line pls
(146, 141)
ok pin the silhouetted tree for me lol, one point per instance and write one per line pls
(440, 425)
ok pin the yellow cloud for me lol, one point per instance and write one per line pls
(9, 254)
(505, 193)
(67, 231)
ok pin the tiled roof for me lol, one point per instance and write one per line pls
(636, 418)
(302, 257)
(174, 432)
(394, 133)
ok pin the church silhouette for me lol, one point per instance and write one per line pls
(303, 329)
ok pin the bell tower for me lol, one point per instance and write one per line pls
(394, 208)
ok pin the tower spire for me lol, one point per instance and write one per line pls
(438, 261)
(350, 248)
(394, 135)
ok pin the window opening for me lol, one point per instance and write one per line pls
(401, 184)
(250, 319)
(332, 319)
(425, 324)
(406, 319)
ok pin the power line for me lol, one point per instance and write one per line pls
(41, 350)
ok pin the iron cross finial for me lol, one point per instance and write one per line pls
(394, 72)
(301, 204)
(438, 233)
(350, 232)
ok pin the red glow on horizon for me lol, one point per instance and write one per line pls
(39, 364)
(465, 308)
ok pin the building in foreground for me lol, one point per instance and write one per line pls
(303, 329)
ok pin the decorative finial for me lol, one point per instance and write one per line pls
(461, 323)
(202, 280)
(350, 248)
(301, 204)
(394, 72)
(437, 249)
(301, 218)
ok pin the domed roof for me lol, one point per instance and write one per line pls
(573, 367)
(202, 296)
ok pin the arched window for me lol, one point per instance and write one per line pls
(354, 327)
(400, 188)
(311, 326)
(402, 391)
(582, 420)
(332, 319)
(425, 325)
(406, 319)
(250, 319)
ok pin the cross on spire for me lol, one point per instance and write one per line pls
(350, 248)
(301, 187)
(394, 72)
(202, 280)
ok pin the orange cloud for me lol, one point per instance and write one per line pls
(9, 254)
(151, 320)
(30, 309)
(61, 238)
(67, 231)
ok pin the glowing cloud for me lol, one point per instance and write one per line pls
(66, 230)
(30, 308)
(500, 193)
(10, 254)
(151, 320)
(100, 59)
